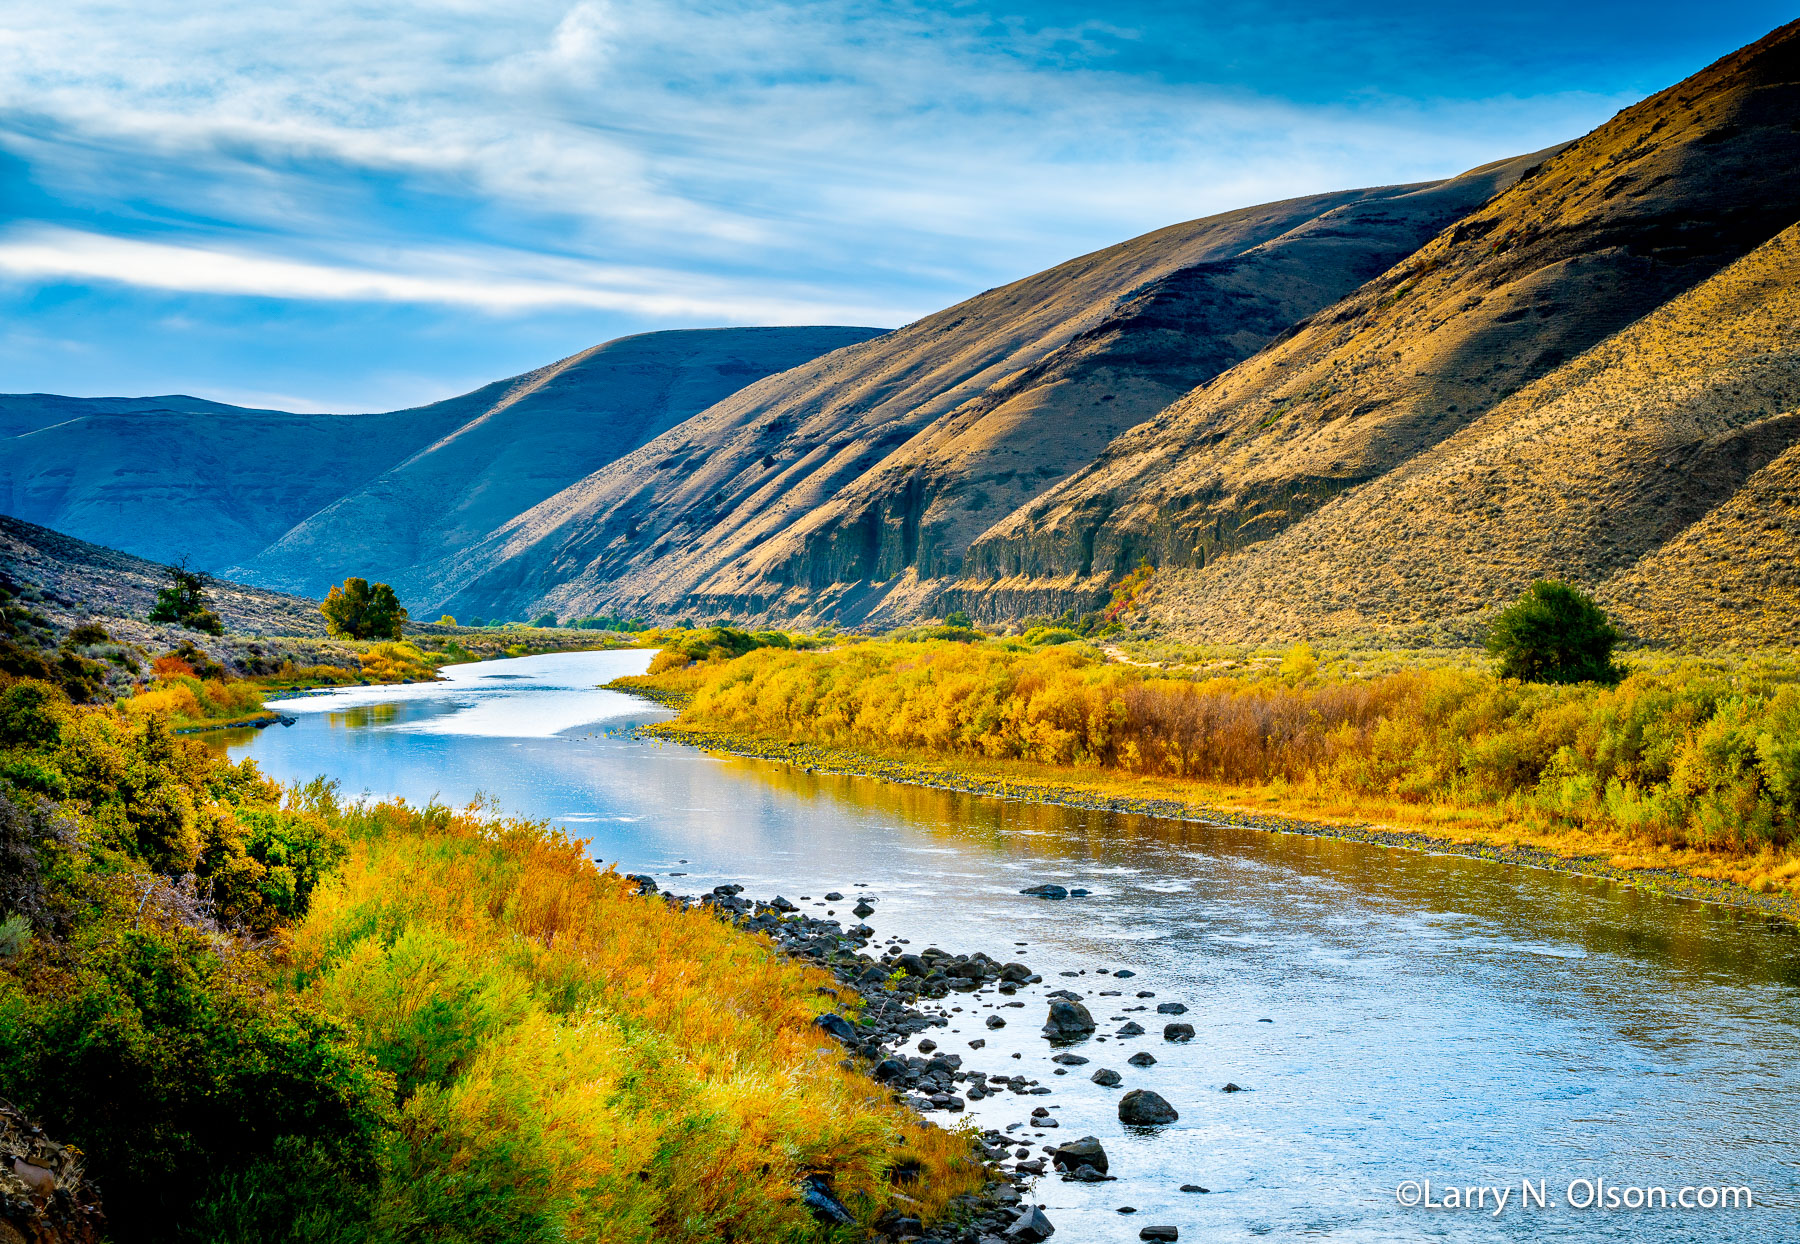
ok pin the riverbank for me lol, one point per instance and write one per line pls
(1168, 799)
(364, 1014)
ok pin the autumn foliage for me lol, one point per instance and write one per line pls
(1684, 758)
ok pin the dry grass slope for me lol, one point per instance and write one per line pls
(1584, 476)
(1642, 209)
(812, 491)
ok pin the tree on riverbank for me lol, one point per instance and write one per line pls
(1554, 633)
(356, 610)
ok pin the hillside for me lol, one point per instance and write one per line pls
(77, 581)
(1646, 207)
(814, 490)
(527, 439)
(167, 478)
(1608, 473)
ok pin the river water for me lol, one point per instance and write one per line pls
(1394, 1015)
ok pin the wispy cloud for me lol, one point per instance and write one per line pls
(488, 283)
(693, 161)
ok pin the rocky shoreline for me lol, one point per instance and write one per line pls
(881, 1006)
(814, 758)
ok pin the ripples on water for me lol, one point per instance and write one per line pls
(1432, 1016)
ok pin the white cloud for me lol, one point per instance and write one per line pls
(781, 155)
(493, 283)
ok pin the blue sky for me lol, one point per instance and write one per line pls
(340, 205)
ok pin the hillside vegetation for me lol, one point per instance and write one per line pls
(1692, 765)
(1602, 465)
(266, 1014)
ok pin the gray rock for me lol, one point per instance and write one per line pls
(1084, 1152)
(1069, 1060)
(1030, 1227)
(834, 897)
(1143, 1108)
(1106, 1078)
(781, 904)
(1166, 1234)
(1178, 1032)
(1088, 1175)
(994, 1021)
(862, 910)
(1046, 890)
(1015, 972)
(1194, 1188)
(837, 1026)
(1233, 1088)
(1131, 1029)
(1068, 1020)
(1143, 1058)
(825, 1207)
(1123, 973)
(1170, 1008)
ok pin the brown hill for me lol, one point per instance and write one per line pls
(1658, 467)
(814, 491)
(1645, 207)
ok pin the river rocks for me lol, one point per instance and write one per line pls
(1106, 1078)
(1017, 973)
(1046, 890)
(732, 891)
(888, 1070)
(646, 884)
(1077, 1153)
(816, 1192)
(1143, 1108)
(1143, 1058)
(837, 1026)
(1123, 974)
(1234, 1088)
(862, 910)
(834, 897)
(1193, 1188)
(1178, 1032)
(1030, 1227)
(1068, 1021)
(1131, 1029)
(1170, 1008)
(1166, 1234)
(781, 904)
(994, 1021)
(1069, 1060)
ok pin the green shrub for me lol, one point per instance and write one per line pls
(1555, 634)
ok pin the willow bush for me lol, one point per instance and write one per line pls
(1687, 756)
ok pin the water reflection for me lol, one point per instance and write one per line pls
(1428, 1016)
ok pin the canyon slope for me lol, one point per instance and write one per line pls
(835, 489)
(180, 477)
(1439, 400)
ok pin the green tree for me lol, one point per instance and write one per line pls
(544, 619)
(356, 610)
(183, 601)
(1554, 633)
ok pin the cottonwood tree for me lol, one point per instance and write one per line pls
(357, 610)
(1555, 633)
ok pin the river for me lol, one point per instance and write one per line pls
(1395, 1015)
